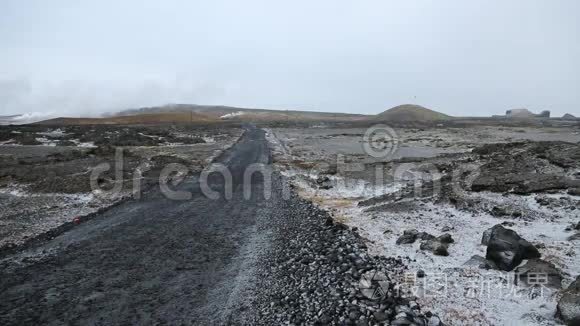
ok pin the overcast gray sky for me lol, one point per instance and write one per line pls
(477, 57)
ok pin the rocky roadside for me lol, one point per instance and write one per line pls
(526, 186)
(318, 272)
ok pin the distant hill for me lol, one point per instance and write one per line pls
(8, 119)
(411, 112)
(147, 118)
(568, 116)
(214, 111)
(18, 119)
(246, 114)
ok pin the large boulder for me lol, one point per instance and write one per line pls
(540, 272)
(569, 304)
(506, 248)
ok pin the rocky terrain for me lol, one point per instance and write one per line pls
(45, 170)
(456, 226)
(484, 209)
(270, 258)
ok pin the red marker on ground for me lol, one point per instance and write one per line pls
(77, 220)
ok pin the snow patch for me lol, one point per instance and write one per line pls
(232, 115)
(45, 141)
(78, 143)
(53, 133)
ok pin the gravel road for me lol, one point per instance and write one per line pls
(202, 261)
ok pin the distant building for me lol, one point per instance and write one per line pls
(544, 114)
(519, 113)
(525, 113)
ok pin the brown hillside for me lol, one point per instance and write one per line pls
(151, 118)
(411, 112)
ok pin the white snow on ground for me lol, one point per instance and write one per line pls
(78, 143)
(460, 295)
(45, 141)
(150, 136)
(342, 189)
(455, 304)
(53, 133)
(463, 296)
(7, 142)
(49, 210)
(232, 115)
(19, 191)
(208, 139)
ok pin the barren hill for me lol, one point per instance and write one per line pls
(247, 114)
(411, 112)
(148, 118)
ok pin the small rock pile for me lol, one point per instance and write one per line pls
(437, 245)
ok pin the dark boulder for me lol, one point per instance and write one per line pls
(569, 304)
(445, 238)
(574, 191)
(324, 182)
(409, 236)
(498, 211)
(436, 247)
(425, 236)
(506, 248)
(574, 237)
